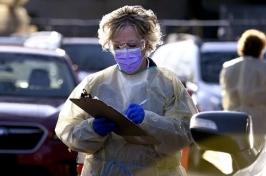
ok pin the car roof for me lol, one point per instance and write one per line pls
(30, 50)
(80, 40)
(218, 46)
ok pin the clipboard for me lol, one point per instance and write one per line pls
(125, 128)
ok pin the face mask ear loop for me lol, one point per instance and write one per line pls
(111, 49)
(142, 45)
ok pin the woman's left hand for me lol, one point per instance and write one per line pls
(135, 113)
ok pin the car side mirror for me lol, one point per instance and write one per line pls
(229, 132)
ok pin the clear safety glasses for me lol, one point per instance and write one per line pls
(129, 45)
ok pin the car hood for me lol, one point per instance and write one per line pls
(36, 108)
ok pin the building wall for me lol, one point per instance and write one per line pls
(94, 9)
(43, 11)
(90, 11)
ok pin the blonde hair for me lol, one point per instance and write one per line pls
(144, 21)
(251, 43)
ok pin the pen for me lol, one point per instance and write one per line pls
(143, 102)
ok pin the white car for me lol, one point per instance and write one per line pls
(198, 65)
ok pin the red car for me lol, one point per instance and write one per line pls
(34, 83)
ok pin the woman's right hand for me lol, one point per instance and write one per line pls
(135, 113)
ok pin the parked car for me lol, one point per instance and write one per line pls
(34, 83)
(198, 65)
(87, 55)
(228, 139)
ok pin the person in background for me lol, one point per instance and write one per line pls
(131, 33)
(243, 81)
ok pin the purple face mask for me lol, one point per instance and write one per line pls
(128, 60)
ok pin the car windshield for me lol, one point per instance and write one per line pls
(89, 57)
(211, 64)
(34, 75)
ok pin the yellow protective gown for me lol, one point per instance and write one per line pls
(243, 84)
(167, 113)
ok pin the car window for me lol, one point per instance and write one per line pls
(89, 57)
(211, 64)
(34, 75)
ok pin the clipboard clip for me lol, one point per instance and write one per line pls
(85, 94)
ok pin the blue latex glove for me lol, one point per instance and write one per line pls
(135, 113)
(103, 126)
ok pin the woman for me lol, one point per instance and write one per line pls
(131, 33)
(243, 81)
